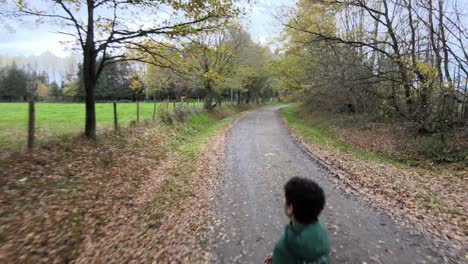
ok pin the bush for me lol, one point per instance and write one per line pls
(181, 113)
(165, 116)
(436, 148)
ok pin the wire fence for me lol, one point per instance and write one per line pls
(26, 124)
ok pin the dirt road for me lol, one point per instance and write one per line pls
(260, 157)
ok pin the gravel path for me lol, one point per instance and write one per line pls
(260, 157)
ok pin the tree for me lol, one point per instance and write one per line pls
(14, 84)
(214, 65)
(113, 83)
(251, 73)
(55, 90)
(42, 90)
(105, 27)
(136, 85)
(389, 58)
(209, 58)
(160, 82)
(71, 89)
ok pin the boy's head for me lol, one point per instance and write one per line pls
(304, 200)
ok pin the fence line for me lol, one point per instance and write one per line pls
(32, 131)
(116, 124)
(138, 111)
(31, 124)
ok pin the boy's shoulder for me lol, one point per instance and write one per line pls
(314, 231)
(308, 244)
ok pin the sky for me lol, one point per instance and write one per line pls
(25, 39)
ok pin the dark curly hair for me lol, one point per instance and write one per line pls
(306, 197)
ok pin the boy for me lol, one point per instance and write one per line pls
(305, 239)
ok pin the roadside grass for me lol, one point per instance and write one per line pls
(189, 142)
(191, 138)
(324, 136)
(60, 121)
(196, 132)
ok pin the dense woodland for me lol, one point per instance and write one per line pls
(394, 60)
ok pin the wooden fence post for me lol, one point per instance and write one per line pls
(138, 111)
(116, 122)
(31, 124)
(154, 110)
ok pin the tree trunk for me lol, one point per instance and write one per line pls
(208, 102)
(247, 99)
(451, 91)
(90, 86)
(435, 43)
(403, 71)
(209, 98)
(89, 75)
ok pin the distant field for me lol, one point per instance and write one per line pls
(56, 121)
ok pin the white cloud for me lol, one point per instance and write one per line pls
(21, 39)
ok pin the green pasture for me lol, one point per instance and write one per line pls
(56, 121)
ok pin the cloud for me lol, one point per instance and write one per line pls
(33, 41)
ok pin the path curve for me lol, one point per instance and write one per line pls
(260, 157)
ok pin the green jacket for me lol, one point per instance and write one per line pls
(303, 244)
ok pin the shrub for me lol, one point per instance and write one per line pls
(436, 148)
(181, 113)
(165, 116)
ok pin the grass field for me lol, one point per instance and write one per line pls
(56, 121)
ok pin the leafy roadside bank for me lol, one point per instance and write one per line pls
(427, 202)
(142, 195)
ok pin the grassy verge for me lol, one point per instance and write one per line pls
(196, 132)
(327, 137)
